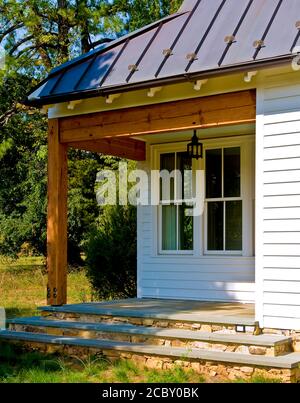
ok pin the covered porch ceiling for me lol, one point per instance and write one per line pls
(115, 132)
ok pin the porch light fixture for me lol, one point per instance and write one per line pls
(195, 148)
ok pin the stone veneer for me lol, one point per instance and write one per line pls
(167, 323)
(231, 347)
(295, 334)
(222, 371)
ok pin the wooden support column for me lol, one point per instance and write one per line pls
(57, 217)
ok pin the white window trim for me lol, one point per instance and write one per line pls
(247, 144)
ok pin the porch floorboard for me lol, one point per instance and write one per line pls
(176, 310)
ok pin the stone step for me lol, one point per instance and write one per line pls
(98, 312)
(226, 364)
(269, 345)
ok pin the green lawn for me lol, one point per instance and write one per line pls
(23, 287)
(18, 367)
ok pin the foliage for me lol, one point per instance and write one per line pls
(37, 36)
(111, 253)
(17, 366)
(143, 12)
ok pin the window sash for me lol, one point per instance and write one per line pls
(171, 239)
(223, 200)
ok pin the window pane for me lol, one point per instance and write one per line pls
(234, 225)
(184, 165)
(185, 223)
(167, 163)
(213, 174)
(215, 223)
(232, 172)
(169, 227)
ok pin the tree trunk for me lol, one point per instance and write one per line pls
(63, 30)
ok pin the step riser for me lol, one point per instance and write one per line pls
(166, 323)
(270, 351)
(206, 368)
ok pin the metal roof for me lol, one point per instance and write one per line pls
(205, 38)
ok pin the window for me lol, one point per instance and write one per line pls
(224, 203)
(175, 208)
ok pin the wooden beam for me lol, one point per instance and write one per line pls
(57, 217)
(203, 112)
(117, 147)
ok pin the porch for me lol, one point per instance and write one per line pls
(215, 339)
(165, 310)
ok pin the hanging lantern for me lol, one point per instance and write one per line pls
(195, 148)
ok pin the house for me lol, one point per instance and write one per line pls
(228, 71)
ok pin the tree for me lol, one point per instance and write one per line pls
(111, 253)
(38, 35)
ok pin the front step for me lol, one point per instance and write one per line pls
(268, 345)
(225, 364)
(98, 313)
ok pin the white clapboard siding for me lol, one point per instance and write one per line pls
(277, 92)
(281, 238)
(283, 164)
(278, 202)
(199, 295)
(198, 265)
(279, 274)
(283, 322)
(284, 262)
(282, 286)
(226, 276)
(282, 140)
(281, 201)
(282, 104)
(282, 213)
(198, 285)
(290, 311)
(291, 225)
(281, 129)
(290, 176)
(271, 118)
(286, 298)
(281, 189)
(275, 153)
(282, 250)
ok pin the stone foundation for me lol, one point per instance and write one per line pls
(171, 324)
(221, 371)
(279, 349)
(295, 334)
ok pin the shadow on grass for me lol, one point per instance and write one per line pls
(17, 312)
(19, 366)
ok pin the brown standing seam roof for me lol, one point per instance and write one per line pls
(205, 38)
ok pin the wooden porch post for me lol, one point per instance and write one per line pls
(57, 217)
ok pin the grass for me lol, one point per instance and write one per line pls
(23, 288)
(19, 367)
